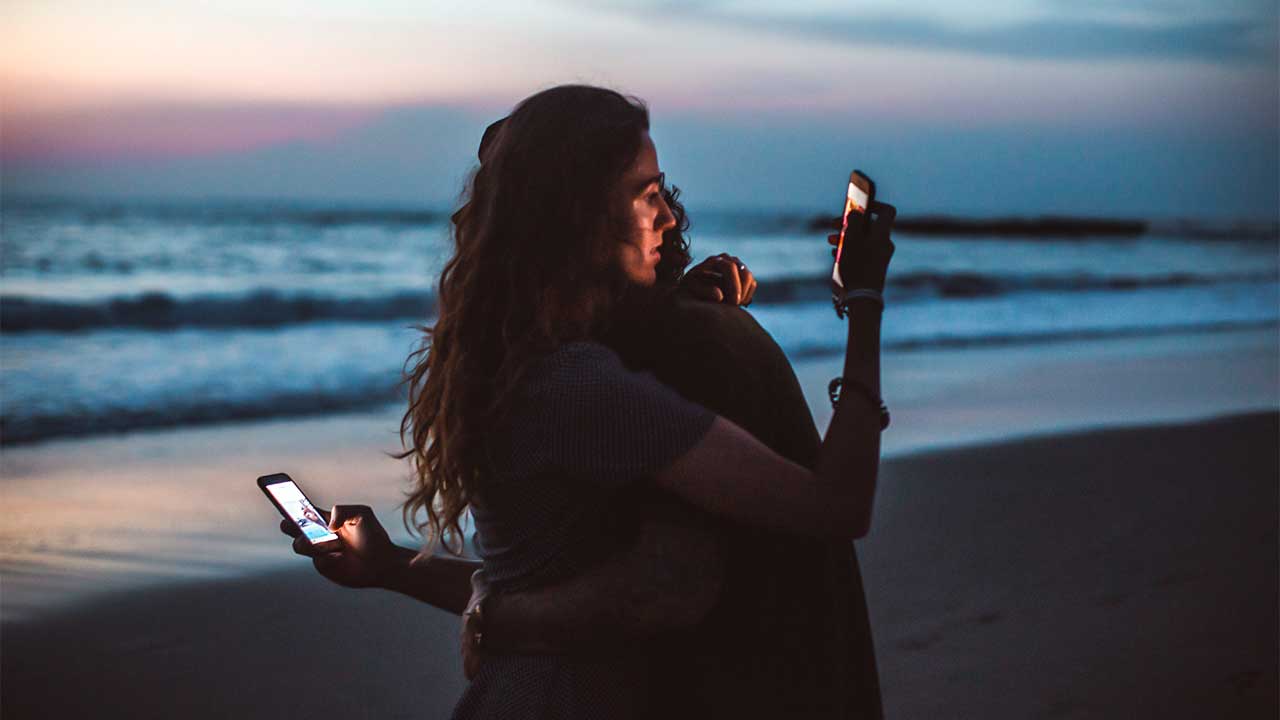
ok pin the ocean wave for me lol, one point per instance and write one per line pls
(267, 308)
(912, 286)
(1034, 337)
(38, 427)
(160, 311)
(375, 388)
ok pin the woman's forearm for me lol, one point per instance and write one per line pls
(851, 448)
(441, 581)
(668, 579)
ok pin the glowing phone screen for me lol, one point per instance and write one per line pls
(855, 201)
(301, 511)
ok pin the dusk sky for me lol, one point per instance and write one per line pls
(1147, 108)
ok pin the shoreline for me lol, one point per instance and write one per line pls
(810, 367)
(149, 509)
(279, 560)
(1043, 350)
(1100, 585)
(961, 397)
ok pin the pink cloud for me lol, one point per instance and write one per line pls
(162, 131)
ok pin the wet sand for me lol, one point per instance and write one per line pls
(121, 512)
(1115, 573)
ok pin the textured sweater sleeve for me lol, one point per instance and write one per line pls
(590, 417)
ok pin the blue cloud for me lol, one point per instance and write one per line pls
(1251, 38)
(1224, 40)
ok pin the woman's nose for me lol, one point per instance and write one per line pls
(666, 219)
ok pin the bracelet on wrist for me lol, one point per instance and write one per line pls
(864, 294)
(835, 390)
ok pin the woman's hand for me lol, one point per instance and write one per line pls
(721, 278)
(367, 556)
(867, 249)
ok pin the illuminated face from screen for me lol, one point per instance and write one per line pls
(646, 214)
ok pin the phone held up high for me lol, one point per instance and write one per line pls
(294, 505)
(857, 201)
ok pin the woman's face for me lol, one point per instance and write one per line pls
(646, 214)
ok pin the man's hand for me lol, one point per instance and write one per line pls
(721, 278)
(473, 626)
(367, 556)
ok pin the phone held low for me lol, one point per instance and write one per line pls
(298, 509)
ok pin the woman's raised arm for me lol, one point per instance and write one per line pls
(731, 473)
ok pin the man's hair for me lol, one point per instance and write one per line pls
(534, 266)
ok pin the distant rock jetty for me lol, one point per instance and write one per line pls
(1047, 226)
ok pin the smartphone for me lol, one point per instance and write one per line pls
(293, 504)
(859, 196)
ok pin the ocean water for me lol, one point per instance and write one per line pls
(177, 321)
(118, 316)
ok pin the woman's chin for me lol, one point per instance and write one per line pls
(644, 275)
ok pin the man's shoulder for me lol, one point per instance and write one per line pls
(719, 356)
(714, 342)
(708, 325)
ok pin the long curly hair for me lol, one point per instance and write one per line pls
(533, 266)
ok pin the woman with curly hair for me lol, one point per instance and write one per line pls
(519, 412)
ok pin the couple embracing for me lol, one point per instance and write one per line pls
(662, 531)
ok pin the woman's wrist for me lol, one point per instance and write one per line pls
(865, 319)
(862, 346)
(395, 573)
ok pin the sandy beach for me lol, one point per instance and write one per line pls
(1116, 573)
